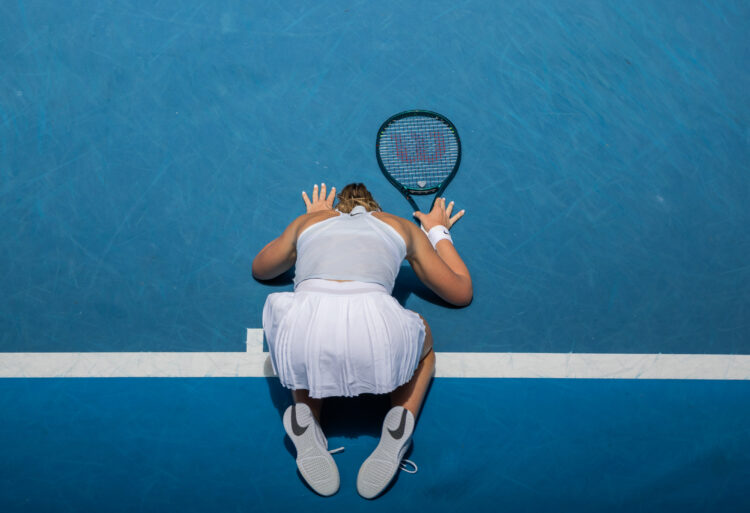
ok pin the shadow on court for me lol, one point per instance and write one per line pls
(348, 417)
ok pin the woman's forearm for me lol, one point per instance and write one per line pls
(448, 253)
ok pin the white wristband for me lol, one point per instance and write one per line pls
(438, 233)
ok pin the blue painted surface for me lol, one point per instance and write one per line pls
(148, 151)
(487, 445)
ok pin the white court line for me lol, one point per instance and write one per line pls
(255, 363)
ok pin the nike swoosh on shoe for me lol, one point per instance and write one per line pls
(296, 428)
(399, 431)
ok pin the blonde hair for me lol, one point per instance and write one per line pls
(356, 194)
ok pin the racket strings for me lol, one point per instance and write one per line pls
(419, 152)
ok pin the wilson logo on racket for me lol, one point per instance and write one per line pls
(419, 147)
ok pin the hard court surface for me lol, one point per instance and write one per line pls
(148, 150)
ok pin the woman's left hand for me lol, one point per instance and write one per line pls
(439, 215)
(319, 200)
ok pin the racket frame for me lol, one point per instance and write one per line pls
(406, 191)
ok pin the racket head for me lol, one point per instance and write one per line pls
(418, 151)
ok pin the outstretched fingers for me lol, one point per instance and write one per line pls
(316, 197)
(449, 209)
(455, 218)
(321, 199)
(439, 206)
(446, 212)
(331, 197)
(449, 214)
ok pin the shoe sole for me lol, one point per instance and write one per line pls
(379, 469)
(314, 461)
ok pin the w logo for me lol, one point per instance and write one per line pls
(416, 147)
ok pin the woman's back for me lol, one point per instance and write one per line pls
(355, 247)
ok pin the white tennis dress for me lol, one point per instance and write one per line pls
(349, 338)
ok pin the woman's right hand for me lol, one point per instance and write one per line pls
(319, 200)
(440, 215)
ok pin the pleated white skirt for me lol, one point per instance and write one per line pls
(342, 339)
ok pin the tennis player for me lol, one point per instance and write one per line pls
(341, 333)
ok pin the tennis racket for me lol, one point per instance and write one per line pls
(419, 152)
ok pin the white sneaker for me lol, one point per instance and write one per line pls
(314, 461)
(381, 466)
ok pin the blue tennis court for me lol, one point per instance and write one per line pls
(148, 151)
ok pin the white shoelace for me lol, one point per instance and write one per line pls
(403, 466)
(336, 451)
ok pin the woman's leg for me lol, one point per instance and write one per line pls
(303, 396)
(381, 466)
(411, 394)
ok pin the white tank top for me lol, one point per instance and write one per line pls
(356, 246)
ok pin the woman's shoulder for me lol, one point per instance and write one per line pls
(305, 221)
(404, 227)
(390, 217)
